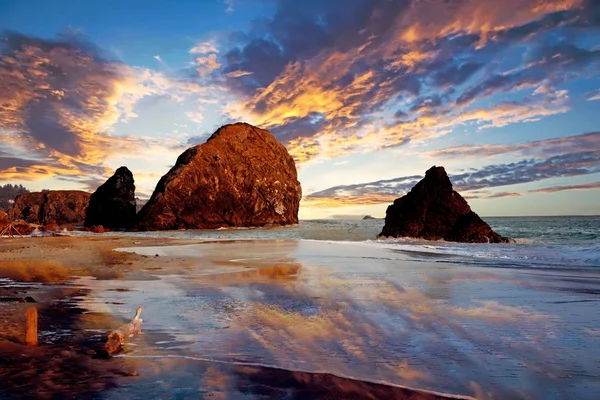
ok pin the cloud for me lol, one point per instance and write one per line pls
(365, 199)
(351, 62)
(556, 158)
(593, 96)
(554, 189)
(529, 170)
(158, 58)
(379, 192)
(204, 48)
(578, 143)
(207, 64)
(486, 194)
(238, 74)
(230, 7)
(195, 116)
(61, 99)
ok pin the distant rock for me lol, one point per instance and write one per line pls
(112, 205)
(368, 217)
(241, 176)
(3, 220)
(432, 210)
(28, 207)
(97, 229)
(54, 206)
(51, 227)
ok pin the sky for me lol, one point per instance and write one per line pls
(366, 95)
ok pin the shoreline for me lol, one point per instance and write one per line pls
(70, 330)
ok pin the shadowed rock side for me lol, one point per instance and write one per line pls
(241, 176)
(432, 210)
(112, 205)
(55, 206)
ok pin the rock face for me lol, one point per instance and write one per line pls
(28, 207)
(432, 210)
(112, 205)
(3, 220)
(55, 206)
(241, 176)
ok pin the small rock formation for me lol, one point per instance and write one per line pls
(51, 227)
(28, 207)
(368, 217)
(54, 206)
(97, 229)
(432, 210)
(241, 176)
(112, 205)
(3, 220)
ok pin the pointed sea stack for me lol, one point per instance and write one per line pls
(112, 205)
(241, 176)
(432, 210)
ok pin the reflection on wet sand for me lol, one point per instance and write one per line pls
(61, 365)
(368, 314)
(322, 320)
(186, 377)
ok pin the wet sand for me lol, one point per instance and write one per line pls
(83, 289)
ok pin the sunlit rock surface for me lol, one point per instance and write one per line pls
(432, 210)
(55, 206)
(241, 176)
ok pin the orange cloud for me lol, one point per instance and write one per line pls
(60, 101)
(365, 199)
(350, 91)
(484, 18)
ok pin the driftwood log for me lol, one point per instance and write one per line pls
(31, 336)
(119, 336)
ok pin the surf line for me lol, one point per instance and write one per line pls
(246, 364)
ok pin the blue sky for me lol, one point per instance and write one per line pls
(365, 94)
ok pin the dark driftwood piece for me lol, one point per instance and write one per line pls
(120, 336)
(31, 337)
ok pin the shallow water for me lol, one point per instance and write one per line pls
(542, 242)
(407, 314)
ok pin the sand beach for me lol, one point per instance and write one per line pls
(291, 319)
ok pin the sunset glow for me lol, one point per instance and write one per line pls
(365, 95)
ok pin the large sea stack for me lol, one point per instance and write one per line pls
(55, 206)
(112, 205)
(432, 210)
(241, 176)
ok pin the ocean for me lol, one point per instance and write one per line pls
(541, 242)
(492, 321)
